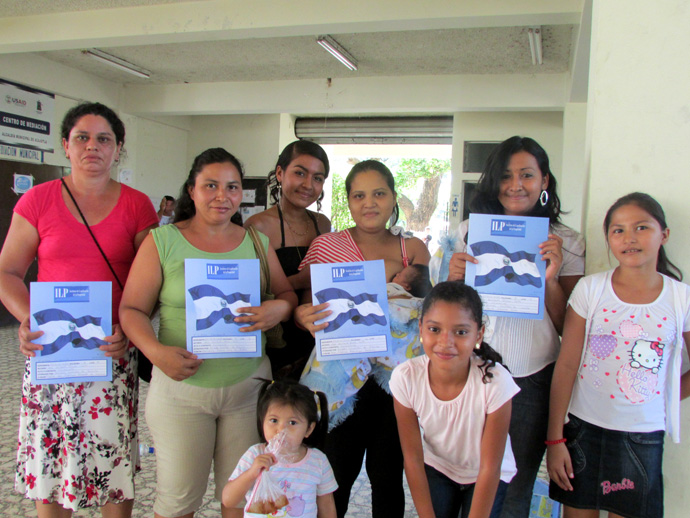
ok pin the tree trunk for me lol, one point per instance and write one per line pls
(426, 205)
(407, 208)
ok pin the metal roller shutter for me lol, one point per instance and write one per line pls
(376, 130)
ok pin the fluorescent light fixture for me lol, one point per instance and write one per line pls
(534, 34)
(116, 62)
(337, 51)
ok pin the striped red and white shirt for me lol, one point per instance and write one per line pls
(339, 247)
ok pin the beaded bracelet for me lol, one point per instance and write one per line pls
(557, 441)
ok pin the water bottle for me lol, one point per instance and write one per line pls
(145, 450)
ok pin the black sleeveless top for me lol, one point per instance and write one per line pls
(289, 361)
(290, 257)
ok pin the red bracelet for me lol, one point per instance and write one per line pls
(557, 441)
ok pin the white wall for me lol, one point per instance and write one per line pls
(287, 131)
(157, 153)
(253, 139)
(639, 111)
(544, 127)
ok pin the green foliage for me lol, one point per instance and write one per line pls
(412, 169)
(340, 212)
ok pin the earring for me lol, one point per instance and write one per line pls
(421, 341)
(478, 345)
(544, 198)
(280, 190)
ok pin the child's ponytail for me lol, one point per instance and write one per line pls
(491, 357)
(318, 436)
(665, 266)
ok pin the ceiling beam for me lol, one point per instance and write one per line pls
(208, 20)
(367, 95)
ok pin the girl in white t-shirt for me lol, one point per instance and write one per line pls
(461, 397)
(618, 374)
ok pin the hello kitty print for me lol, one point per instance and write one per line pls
(648, 355)
(628, 348)
(622, 378)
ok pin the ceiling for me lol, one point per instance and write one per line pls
(437, 47)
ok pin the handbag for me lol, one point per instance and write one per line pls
(144, 366)
(274, 336)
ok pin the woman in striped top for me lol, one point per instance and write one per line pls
(371, 428)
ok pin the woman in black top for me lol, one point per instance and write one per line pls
(295, 183)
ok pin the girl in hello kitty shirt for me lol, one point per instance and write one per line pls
(618, 375)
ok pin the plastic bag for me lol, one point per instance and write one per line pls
(278, 447)
(268, 498)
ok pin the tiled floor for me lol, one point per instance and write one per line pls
(14, 504)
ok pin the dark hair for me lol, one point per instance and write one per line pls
(168, 198)
(72, 117)
(292, 151)
(185, 208)
(374, 165)
(300, 397)
(654, 209)
(421, 283)
(457, 292)
(485, 198)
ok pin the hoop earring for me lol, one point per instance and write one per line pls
(544, 198)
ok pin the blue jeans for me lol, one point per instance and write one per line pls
(453, 500)
(528, 423)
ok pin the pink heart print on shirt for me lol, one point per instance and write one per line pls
(602, 345)
(630, 330)
(638, 385)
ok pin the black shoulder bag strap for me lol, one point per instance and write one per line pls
(144, 366)
(91, 232)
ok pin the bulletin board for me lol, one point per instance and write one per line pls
(254, 197)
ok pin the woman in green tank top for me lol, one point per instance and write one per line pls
(198, 410)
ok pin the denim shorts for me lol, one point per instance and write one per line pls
(615, 471)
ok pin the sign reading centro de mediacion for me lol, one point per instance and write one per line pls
(26, 117)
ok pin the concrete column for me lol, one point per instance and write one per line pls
(574, 171)
(639, 111)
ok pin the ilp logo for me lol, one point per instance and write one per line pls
(71, 294)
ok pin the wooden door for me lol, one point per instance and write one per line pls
(8, 199)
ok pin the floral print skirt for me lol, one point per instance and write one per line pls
(78, 444)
